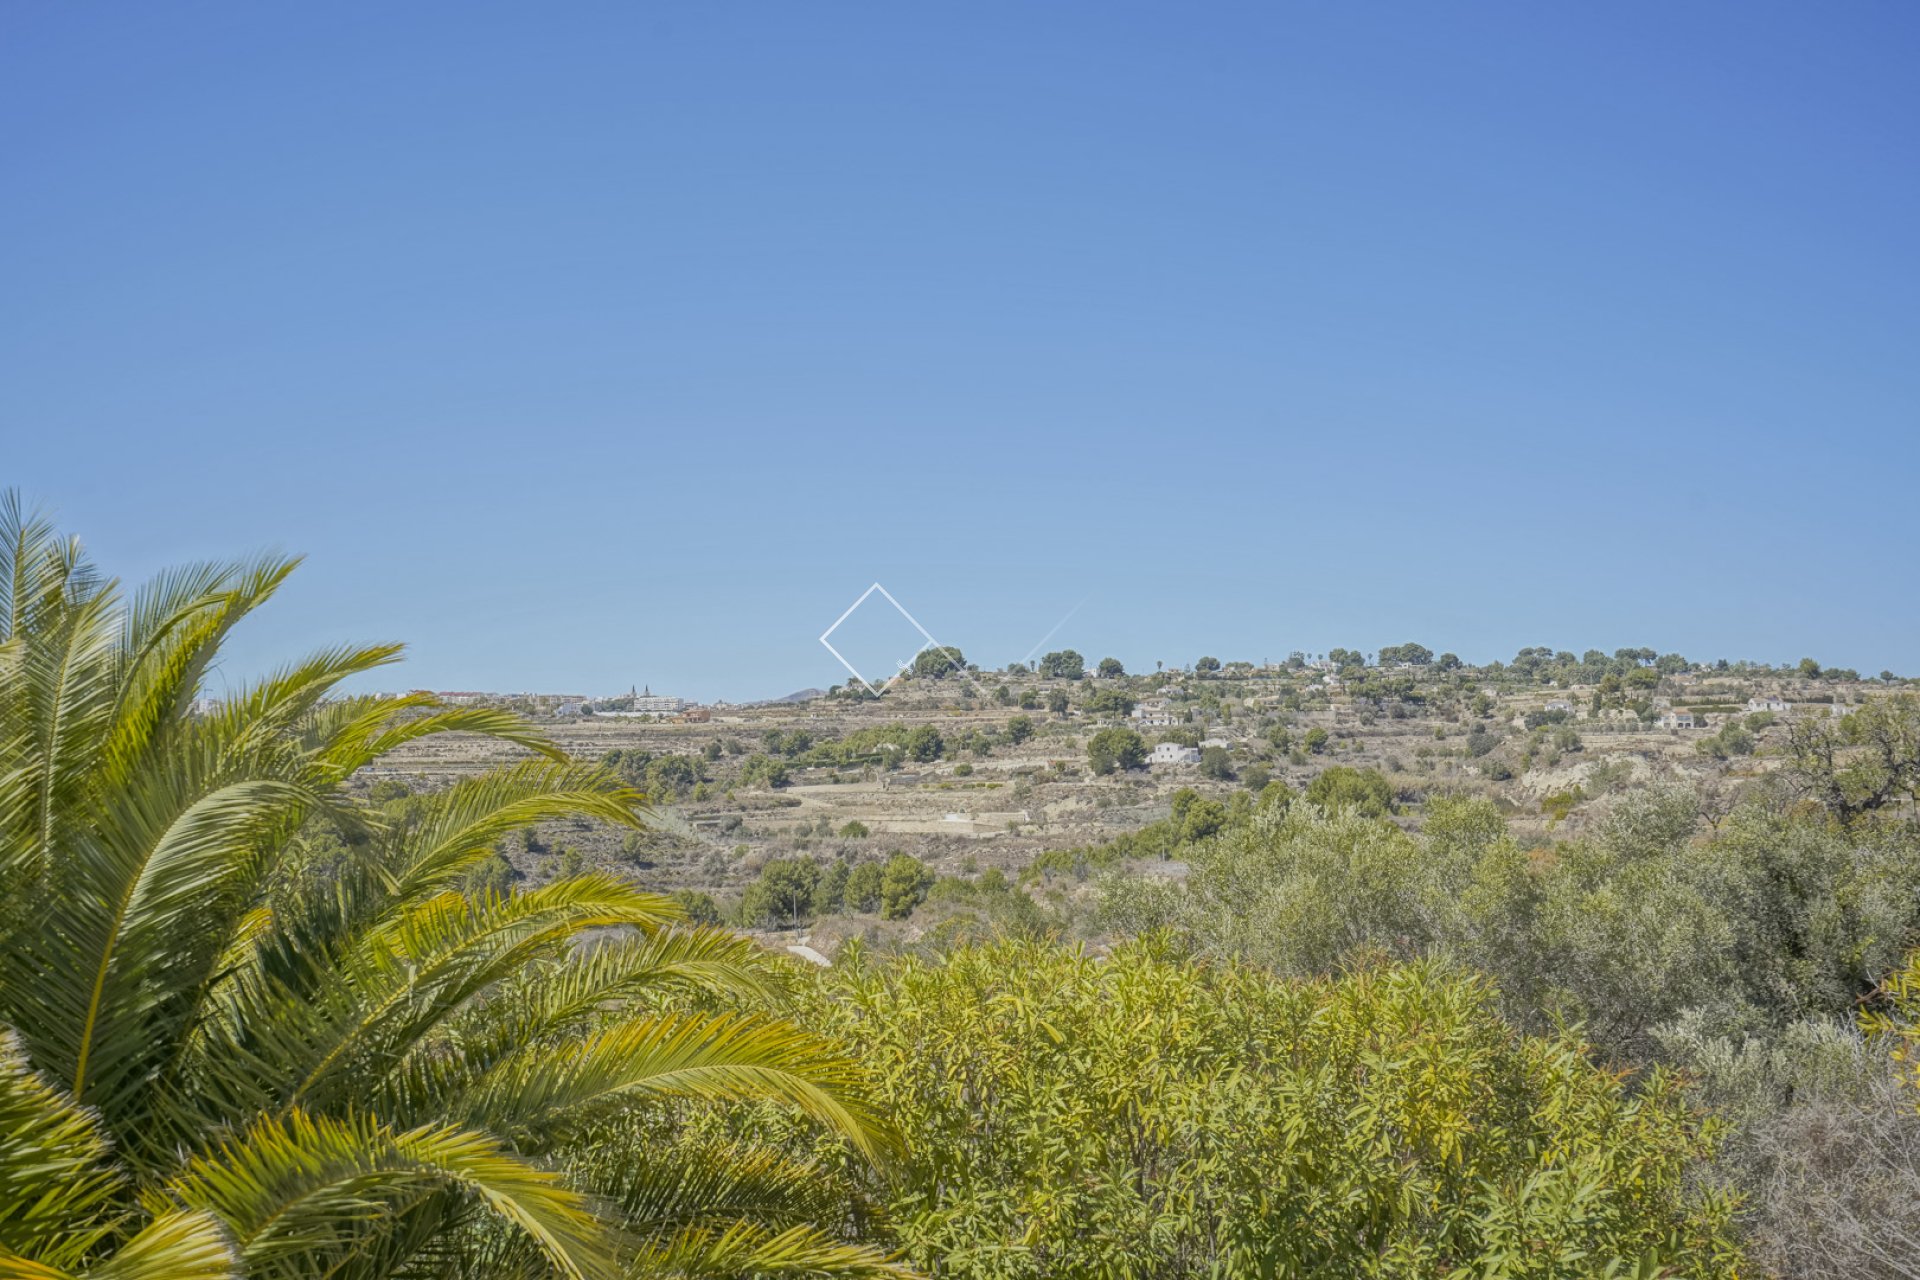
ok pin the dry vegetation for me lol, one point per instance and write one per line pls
(987, 801)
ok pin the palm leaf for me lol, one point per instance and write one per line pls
(359, 731)
(297, 1191)
(745, 1249)
(337, 1029)
(462, 825)
(710, 1058)
(57, 1191)
(176, 1245)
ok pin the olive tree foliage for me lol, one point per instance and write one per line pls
(1625, 936)
(1777, 917)
(1865, 762)
(1150, 1115)
(1302, 891)
(1112, 749)
(925, 744)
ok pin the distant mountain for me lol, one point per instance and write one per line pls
(799, 695)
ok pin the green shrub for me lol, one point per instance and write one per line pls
(1365, 791)
(904, 883)
(1145, 1116)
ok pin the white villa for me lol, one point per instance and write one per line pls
(1154, 715)
(1677, 720)
(1173, 753)
(1769, 703)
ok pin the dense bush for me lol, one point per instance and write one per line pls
(1152, 1116)
(1781, 915)
(1365, 791)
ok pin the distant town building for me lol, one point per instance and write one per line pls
(1677, 720)
(1154, 715)
(1769, 703)
(648, 703)
(1173, 753)
(696, 715)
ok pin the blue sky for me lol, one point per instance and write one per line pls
(587, 345)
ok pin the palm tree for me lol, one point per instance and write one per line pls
(251, 1025)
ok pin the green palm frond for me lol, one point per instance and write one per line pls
(36, 566)
(554, 999)
(159, 884)
(175, 1246)
(693, 959)
(335, 1029)
(56, 1186)
(358, 731)
(461, 825)
(180, 1244)
(663, 1185)
(275, 707)
(296, 1191)
(60, 704)
(703, 1057)
(746, 1249)
(173, 631)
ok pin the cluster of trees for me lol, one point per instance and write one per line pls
(663, 778)
(791, 892)
(1113, 749)
(1064, 664)
(1413, 655)
(937, 662)
(1541, 664)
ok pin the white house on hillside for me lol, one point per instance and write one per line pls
(1769, 703)
(1173, 753)
(1677, 720)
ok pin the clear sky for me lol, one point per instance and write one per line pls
(585, 345)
